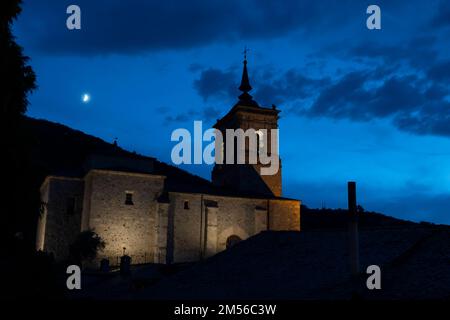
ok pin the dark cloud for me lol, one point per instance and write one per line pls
(406, 83)
(414, 104)
(417, 52)
(442, 16)
(440, 71)
(433, 118)
(270, 87)
(410, 90)
(352, 98)
(287, 86)
(215, 83)
(153, 25)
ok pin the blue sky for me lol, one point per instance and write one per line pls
(357, 104)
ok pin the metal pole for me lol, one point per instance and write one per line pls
(353, 229)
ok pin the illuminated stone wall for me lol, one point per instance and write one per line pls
(199, 225)
(121, 225)
(284, 215)
(160, 227)
(159, 230)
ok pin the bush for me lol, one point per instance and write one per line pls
(86, 246)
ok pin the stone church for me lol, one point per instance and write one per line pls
(157, 213)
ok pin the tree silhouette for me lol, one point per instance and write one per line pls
(86, 246)
(17, 81)
(18, 78)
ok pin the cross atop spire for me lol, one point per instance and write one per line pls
(245, 52)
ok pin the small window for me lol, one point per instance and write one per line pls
(129, 198)
(70, 206)
(186, 205)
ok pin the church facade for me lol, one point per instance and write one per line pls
(154, 214)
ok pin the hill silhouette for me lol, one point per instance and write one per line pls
(60, 150)
(328, 219)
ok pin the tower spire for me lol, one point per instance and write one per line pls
(245, 86)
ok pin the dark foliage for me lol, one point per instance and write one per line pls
(20, 201)
(18, 79)
(86, 246)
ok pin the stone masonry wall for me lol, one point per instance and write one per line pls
(179, 228)
(284, 215)
(58, 226)
(203, 229)
(121, 225)
(247, 177)
(160, 235)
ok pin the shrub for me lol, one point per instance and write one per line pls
(86, 246)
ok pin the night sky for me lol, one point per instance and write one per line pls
(366, 105)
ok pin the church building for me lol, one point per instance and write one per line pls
(156, 213)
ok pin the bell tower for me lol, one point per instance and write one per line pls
(248, 114)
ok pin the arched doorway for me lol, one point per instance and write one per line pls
(232, 241)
